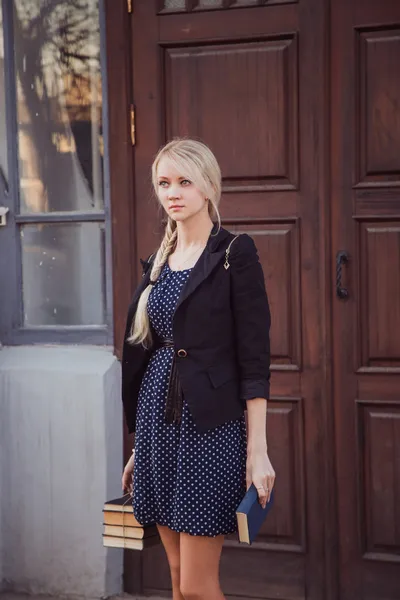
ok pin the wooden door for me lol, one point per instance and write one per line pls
(365, 38)
(247, 77)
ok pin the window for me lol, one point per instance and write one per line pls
(56, 262)
(3, 133)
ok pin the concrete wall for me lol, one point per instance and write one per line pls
(60, 459)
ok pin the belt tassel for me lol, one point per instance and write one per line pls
(174, 400)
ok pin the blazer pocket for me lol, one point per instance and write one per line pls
(220, 373)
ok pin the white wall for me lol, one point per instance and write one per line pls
(60, 459)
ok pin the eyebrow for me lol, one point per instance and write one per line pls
(165, 177)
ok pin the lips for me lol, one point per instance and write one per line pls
(175, 206)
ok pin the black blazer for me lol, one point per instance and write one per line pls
(221, 335)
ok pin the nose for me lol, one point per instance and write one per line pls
(173, 192)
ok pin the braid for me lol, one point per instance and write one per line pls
(165, 249)
(140, 332)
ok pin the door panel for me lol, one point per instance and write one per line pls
(366, 223)
(265, 100)
(250, 83)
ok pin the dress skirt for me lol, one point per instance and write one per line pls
(191, 482)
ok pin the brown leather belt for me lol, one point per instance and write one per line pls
(166, 343)
(174, 400)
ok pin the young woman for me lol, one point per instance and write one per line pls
(196, 355)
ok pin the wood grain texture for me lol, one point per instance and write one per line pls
(262, 122)
(285, 527)
(121, 164)
(379, 452)
(379, 98)
(365, 223)
(124, 256)
(380, 295)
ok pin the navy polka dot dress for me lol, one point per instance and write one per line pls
(190, 481)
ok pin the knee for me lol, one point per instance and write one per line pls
(195, 590)
(189, 592)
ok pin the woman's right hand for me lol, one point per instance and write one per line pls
(126, 480)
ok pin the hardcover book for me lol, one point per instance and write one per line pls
(129, 543)
(112, 517)
(122, 504)
(120, 512)
(250, 515)
(130, 532)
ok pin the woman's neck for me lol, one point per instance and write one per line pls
(193, 233)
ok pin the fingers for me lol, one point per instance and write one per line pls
(264, 487)
(262, 494)
(127, 488)
(270, 485)
(127, 475)
(126, 482)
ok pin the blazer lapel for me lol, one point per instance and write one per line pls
(207, 262)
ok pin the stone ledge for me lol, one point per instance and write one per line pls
(77, 359)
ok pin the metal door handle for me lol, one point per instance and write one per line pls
(342, 258)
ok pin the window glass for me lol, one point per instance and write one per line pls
(210, 3)
(175, 4)
(245, 3)
(63, 274)
(3, 132)
(57, 65)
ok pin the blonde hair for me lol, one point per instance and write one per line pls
(196, 161)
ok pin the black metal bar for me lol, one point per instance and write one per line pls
(61, 217)
(11, 266)
(106, 180)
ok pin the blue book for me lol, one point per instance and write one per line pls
(250, 515)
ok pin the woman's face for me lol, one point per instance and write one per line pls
(180, 198)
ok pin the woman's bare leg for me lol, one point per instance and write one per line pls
(171, 543)
(199, 564)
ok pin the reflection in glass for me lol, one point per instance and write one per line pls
(3, 131)
(245, 3)
(63, 274)
(175, 4)
(57, 62)
(210, 3)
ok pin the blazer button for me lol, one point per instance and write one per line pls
(182, 353)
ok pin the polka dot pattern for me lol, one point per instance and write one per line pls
(191, 482)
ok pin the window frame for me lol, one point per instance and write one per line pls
(12, 329)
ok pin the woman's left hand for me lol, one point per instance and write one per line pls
(260, 471)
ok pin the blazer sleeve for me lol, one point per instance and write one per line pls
(252, 319)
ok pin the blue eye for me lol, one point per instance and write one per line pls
(186, 181)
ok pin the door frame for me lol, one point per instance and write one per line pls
(125, 271)
(122, 206)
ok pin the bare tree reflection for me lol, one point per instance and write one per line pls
(58, 69)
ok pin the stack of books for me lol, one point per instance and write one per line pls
(122, 530)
